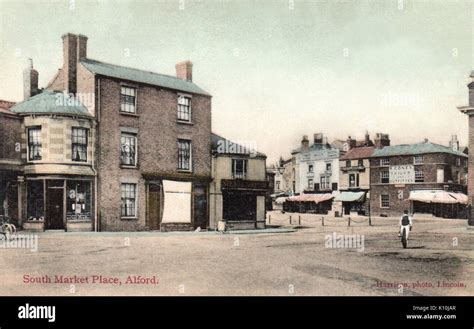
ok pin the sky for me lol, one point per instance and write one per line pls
(277, 70)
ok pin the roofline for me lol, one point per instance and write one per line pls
(23, 114)
(408, 154)
(204, 93)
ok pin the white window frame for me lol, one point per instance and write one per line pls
(382, 176)
(135, 215)
(418, 159)
(123, 92)
(190, 160)
(244, 169)
(190, 114)
(419, 176)
(382, 201)
(39, 129)
(385, 162)
(135, 138)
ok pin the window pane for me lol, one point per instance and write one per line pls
(127, 99)
(128, 207)
(184, 108)
(34, 143)
(184, 154)
(128, 149)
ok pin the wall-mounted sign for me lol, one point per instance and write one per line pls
(402, 174)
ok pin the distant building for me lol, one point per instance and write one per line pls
(283, 179)
(469, 110)
(239, 187)
(422, 178)
(316, 166)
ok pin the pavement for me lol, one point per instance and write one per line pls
(298, 258)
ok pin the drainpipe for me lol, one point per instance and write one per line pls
(96, 210)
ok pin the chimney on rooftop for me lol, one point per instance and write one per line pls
(74, 50)
(30, 81)
(454, 143)
(305, 142)
(184, 70)
(351, 143)
(367, 139)
(318, 138)
(381, 140)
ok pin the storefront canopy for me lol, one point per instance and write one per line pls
(316, 198)
(350, 197)
(437, 196)
(281, 200)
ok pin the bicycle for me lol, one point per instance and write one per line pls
(404, 237)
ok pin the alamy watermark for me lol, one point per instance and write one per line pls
(345, 241)
(239, 147)
(19, 241)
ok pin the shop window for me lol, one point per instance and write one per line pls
(384, 201)
(79, 144)
(239, 168)
(129, 200)
(34, 143)
(35, 200)
(78, 200)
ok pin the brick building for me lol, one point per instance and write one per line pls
(422, 178)
(153, 141)
(469, 110)
(144, 141)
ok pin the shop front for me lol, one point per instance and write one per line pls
(56, 203)
(243, 203)
(439, 203)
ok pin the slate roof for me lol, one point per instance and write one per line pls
(215, 139)
(358, 153)
(136, 75)
(413, 149)
(51, 102)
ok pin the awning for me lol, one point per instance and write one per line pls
(316, 198)
(281, 200)
(350, 197)
(438, 196)
(461, 197)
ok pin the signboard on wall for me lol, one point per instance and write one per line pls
(402, 174)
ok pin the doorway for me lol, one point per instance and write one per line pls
(154, 210)
(55, 209)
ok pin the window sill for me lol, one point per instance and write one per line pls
(128, 218)
(128, 167)
(189, 123)
(189, 171)
(129, 114)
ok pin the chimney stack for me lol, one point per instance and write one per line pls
(74, 50)
(351, 143)
(381, 140)
(30, 81)
(305, 142)
(454, 143)
(184, 70)
(318, 138)
(367, 139)
(81, 47)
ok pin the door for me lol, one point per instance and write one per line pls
(154, 207)
(55, 209)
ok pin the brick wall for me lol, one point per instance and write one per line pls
(432, 162)
(158, 132)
